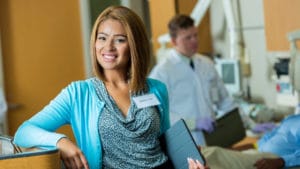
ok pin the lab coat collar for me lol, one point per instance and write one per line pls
(179, 57)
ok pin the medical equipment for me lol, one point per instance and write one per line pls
(229, 70)
(295, 60)
(285, 95)
(288, 74)
(294, 66)
(287, 70)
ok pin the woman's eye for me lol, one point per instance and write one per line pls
(120, 40)
(101, 38)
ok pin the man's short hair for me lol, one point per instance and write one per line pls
(180, 21)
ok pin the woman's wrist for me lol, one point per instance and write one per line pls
(61, 141)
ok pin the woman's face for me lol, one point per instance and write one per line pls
(112, 48)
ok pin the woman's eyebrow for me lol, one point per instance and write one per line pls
(105, 34)
(123, 35)
(102, 33)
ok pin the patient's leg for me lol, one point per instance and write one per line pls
(221, 158)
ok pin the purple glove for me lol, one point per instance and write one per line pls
(205, 123)
(263, 127)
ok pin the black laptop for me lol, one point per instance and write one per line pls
(229, 129)
(179, 144)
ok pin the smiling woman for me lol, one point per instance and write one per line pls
(111, 129)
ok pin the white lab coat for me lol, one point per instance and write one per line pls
(192, 93)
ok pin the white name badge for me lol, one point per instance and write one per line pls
(146, 100)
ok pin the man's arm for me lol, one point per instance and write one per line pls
(269, 163)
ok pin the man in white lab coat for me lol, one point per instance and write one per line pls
(196, 92)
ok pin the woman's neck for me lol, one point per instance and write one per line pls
(116, 78)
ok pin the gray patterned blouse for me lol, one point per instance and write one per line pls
(131, 141)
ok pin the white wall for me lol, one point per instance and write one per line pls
(262, 88)
(3, 104)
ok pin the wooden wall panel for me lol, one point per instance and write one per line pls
(281, 17)
(160, 14)
(42, 53)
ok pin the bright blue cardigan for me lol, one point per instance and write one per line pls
(79, 106)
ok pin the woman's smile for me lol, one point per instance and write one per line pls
(109, 57)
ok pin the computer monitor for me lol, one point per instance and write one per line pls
(229, 70)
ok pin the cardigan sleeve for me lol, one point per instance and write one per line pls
(39, 130)
(160, 90)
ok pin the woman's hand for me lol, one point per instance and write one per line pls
(195, 164)
(71, 155)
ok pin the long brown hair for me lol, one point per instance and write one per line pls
(139, 46)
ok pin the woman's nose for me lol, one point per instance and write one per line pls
(109, 45)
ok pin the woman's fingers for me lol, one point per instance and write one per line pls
(84, 162)
(71, 155)
(195, 164)
(191, 163)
